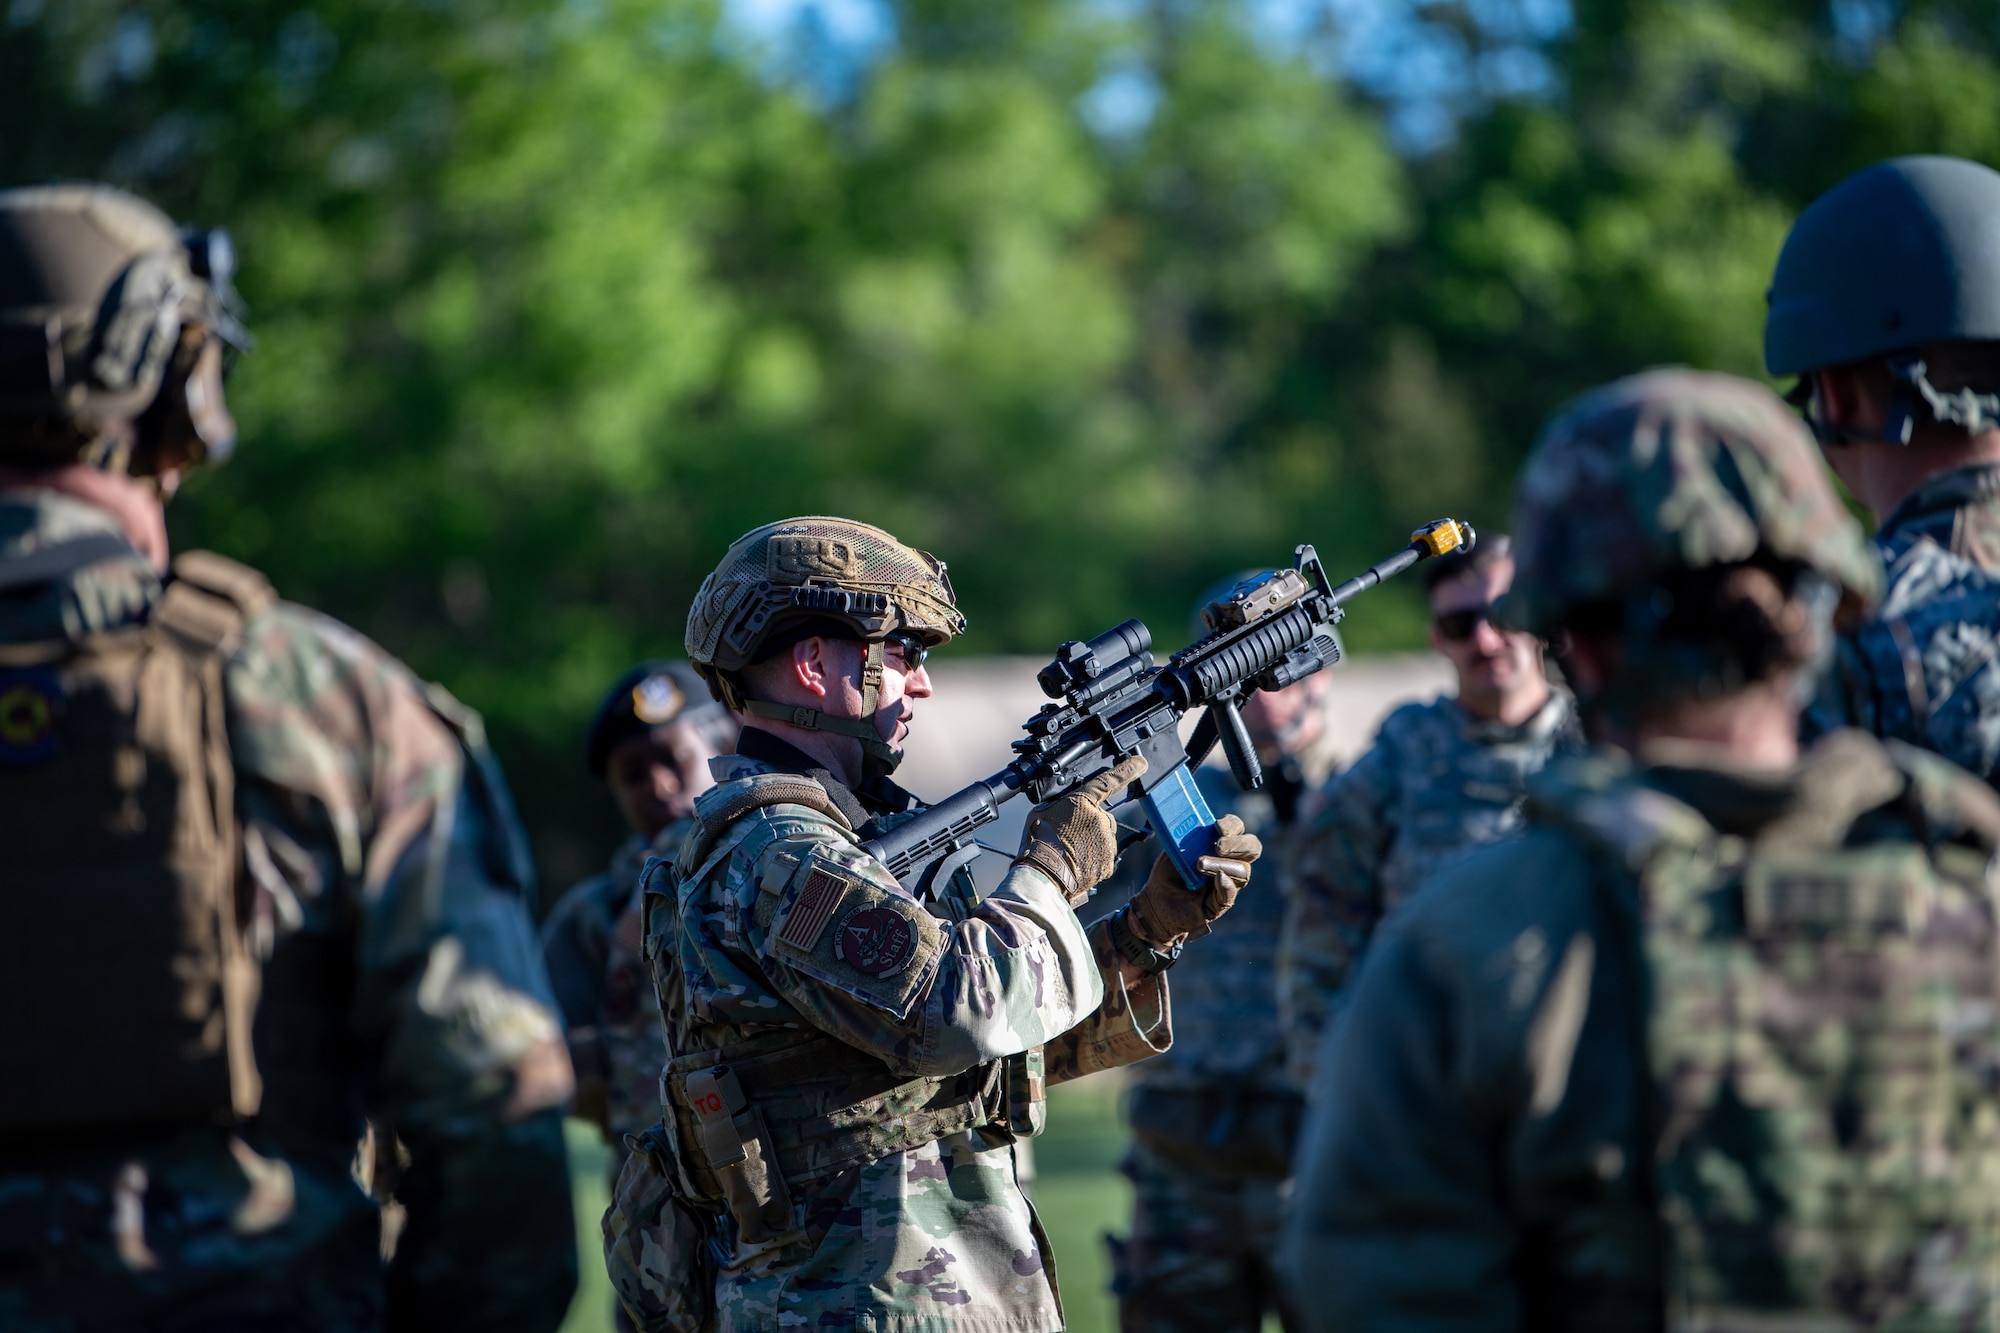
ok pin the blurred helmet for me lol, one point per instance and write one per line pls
(1673, 470)
(650, 695)
(101, 299)
(1897, 256)
(817, 575)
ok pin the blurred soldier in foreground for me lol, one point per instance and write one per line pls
(650, 742)
(1711, 1045)
(851, 1066)
(1441, 777)
(1213, 1119)
(1886, 305)
(259, 879)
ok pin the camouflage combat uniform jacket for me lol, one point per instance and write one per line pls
(888, 1052)
(1436, 782)
(1721, 1057)
(399, 979)
(593, 942)
(1926, 668)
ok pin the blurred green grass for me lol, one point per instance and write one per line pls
(1080, 1195)
(589, 1160)
(1078, 1192)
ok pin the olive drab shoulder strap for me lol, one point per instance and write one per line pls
(211, 597)
(120, 913)
(714, 818)
(203, 611)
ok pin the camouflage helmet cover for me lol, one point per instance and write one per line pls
(815, 568)
(95, 288)
(1674, 469)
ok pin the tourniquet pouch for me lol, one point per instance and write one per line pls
(1238, 1134)
(657, 1249)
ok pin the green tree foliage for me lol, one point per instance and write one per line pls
(554, 299)
(1630, 213)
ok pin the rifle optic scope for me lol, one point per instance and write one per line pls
(1078, 664)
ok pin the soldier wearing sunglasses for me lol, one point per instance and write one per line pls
(1441, 777)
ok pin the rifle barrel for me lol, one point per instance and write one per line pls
(1374, 574)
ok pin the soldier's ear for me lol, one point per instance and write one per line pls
(813, 666)
(1843, 396)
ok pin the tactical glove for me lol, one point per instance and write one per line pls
(1073, 839)
(1167, 909)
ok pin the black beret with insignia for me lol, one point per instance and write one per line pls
(649, 695)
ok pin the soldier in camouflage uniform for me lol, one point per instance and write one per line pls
(1214, 1117)
(851, 1065)
(295, 859)
(1886, 305)
(1721, 1055)
(650, 741)
(1441, 777)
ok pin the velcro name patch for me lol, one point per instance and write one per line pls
(1870, 890)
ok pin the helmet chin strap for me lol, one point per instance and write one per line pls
(1969, 411)
(880, 756)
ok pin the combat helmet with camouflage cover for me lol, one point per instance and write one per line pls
(788, 577)
(1670, 471)
(1899, 256)
(114, 326)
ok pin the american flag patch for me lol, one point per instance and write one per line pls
(812, 910)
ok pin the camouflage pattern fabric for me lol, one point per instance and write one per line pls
(400, 979)
(593, 943)
(1436, 782)
(786, 934)
(1669, 470)
(1924, 670)
(1199, 1251)
(1721, 1057)
(1202, 1253)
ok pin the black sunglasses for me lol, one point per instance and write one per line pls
(913, 649)
(1458, 626)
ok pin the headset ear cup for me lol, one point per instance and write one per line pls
(189, 421)
(207, 410)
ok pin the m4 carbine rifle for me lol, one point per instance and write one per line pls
(1111, 701)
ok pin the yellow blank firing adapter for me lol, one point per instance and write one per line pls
(1444, 536)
